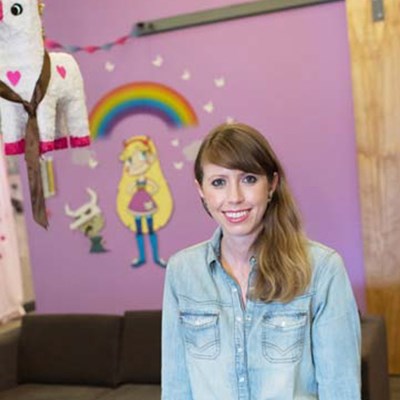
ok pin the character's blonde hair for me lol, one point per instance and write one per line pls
(162, 197)
(284, 269)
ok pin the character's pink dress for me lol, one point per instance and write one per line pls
(142, 203)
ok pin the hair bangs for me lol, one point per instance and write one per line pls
(231, 150)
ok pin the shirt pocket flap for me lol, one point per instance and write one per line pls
(283, 336)
(201, 334)
(199, 321)
(286, 321)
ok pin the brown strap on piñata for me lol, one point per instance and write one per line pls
(32, 139)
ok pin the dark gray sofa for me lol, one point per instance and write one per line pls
(109, 357)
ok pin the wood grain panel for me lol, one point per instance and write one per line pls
(375, 58)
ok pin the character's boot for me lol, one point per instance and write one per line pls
(154, 244)
(137, 262)
(154, 247)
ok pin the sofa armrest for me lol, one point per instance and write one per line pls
(8, 358)
(140, 357)
(374, 362)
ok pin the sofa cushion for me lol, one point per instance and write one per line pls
(134, 392)
(34, 391)
(141, 347)
(69, 349)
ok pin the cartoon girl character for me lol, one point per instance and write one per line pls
(144, 201)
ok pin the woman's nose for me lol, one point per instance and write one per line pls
(235, 194)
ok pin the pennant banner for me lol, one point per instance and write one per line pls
(53, 45)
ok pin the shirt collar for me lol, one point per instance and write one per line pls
(214, 248)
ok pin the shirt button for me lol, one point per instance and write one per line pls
(239, 319)
(241, 379)
(240, 350)
(248, 318)
(234, 290)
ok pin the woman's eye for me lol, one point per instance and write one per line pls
(16, 9)
(250, 179)
(217, 182)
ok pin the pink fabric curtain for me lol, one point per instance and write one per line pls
(11, 292)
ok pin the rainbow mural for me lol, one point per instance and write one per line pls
(140, 98)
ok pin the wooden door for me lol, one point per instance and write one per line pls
(375, 58)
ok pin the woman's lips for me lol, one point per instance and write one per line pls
(236, 216)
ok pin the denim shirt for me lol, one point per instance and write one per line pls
(215, 348)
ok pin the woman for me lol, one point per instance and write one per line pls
(259, 311)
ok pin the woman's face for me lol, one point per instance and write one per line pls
(237, 200)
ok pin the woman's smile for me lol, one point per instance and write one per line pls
(235, 217)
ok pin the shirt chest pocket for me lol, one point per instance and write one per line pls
(283, 336)
(201, 333)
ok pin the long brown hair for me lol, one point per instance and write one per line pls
(284, 269)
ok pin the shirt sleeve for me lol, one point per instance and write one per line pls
(174, 376)
(336, 334)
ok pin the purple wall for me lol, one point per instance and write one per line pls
(288, 74)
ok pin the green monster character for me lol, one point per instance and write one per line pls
(89, 220)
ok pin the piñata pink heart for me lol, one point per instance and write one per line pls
(62, 71)
(14, 77)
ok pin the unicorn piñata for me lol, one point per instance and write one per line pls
(42, 105)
